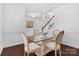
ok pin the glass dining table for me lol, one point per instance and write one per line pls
(41, 39)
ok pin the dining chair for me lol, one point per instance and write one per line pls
(1, 51)
(55, 44)
(29, 47)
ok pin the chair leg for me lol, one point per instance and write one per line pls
(60, 52)
(24, 53)
(55, 52)
(27, 54)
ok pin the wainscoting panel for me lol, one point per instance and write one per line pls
(11, 39)
(71, 39)
(14, 38)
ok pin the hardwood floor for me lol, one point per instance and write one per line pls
(18, 50)
(69, 51)
(13, 51)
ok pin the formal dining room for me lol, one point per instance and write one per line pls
(39, 29)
